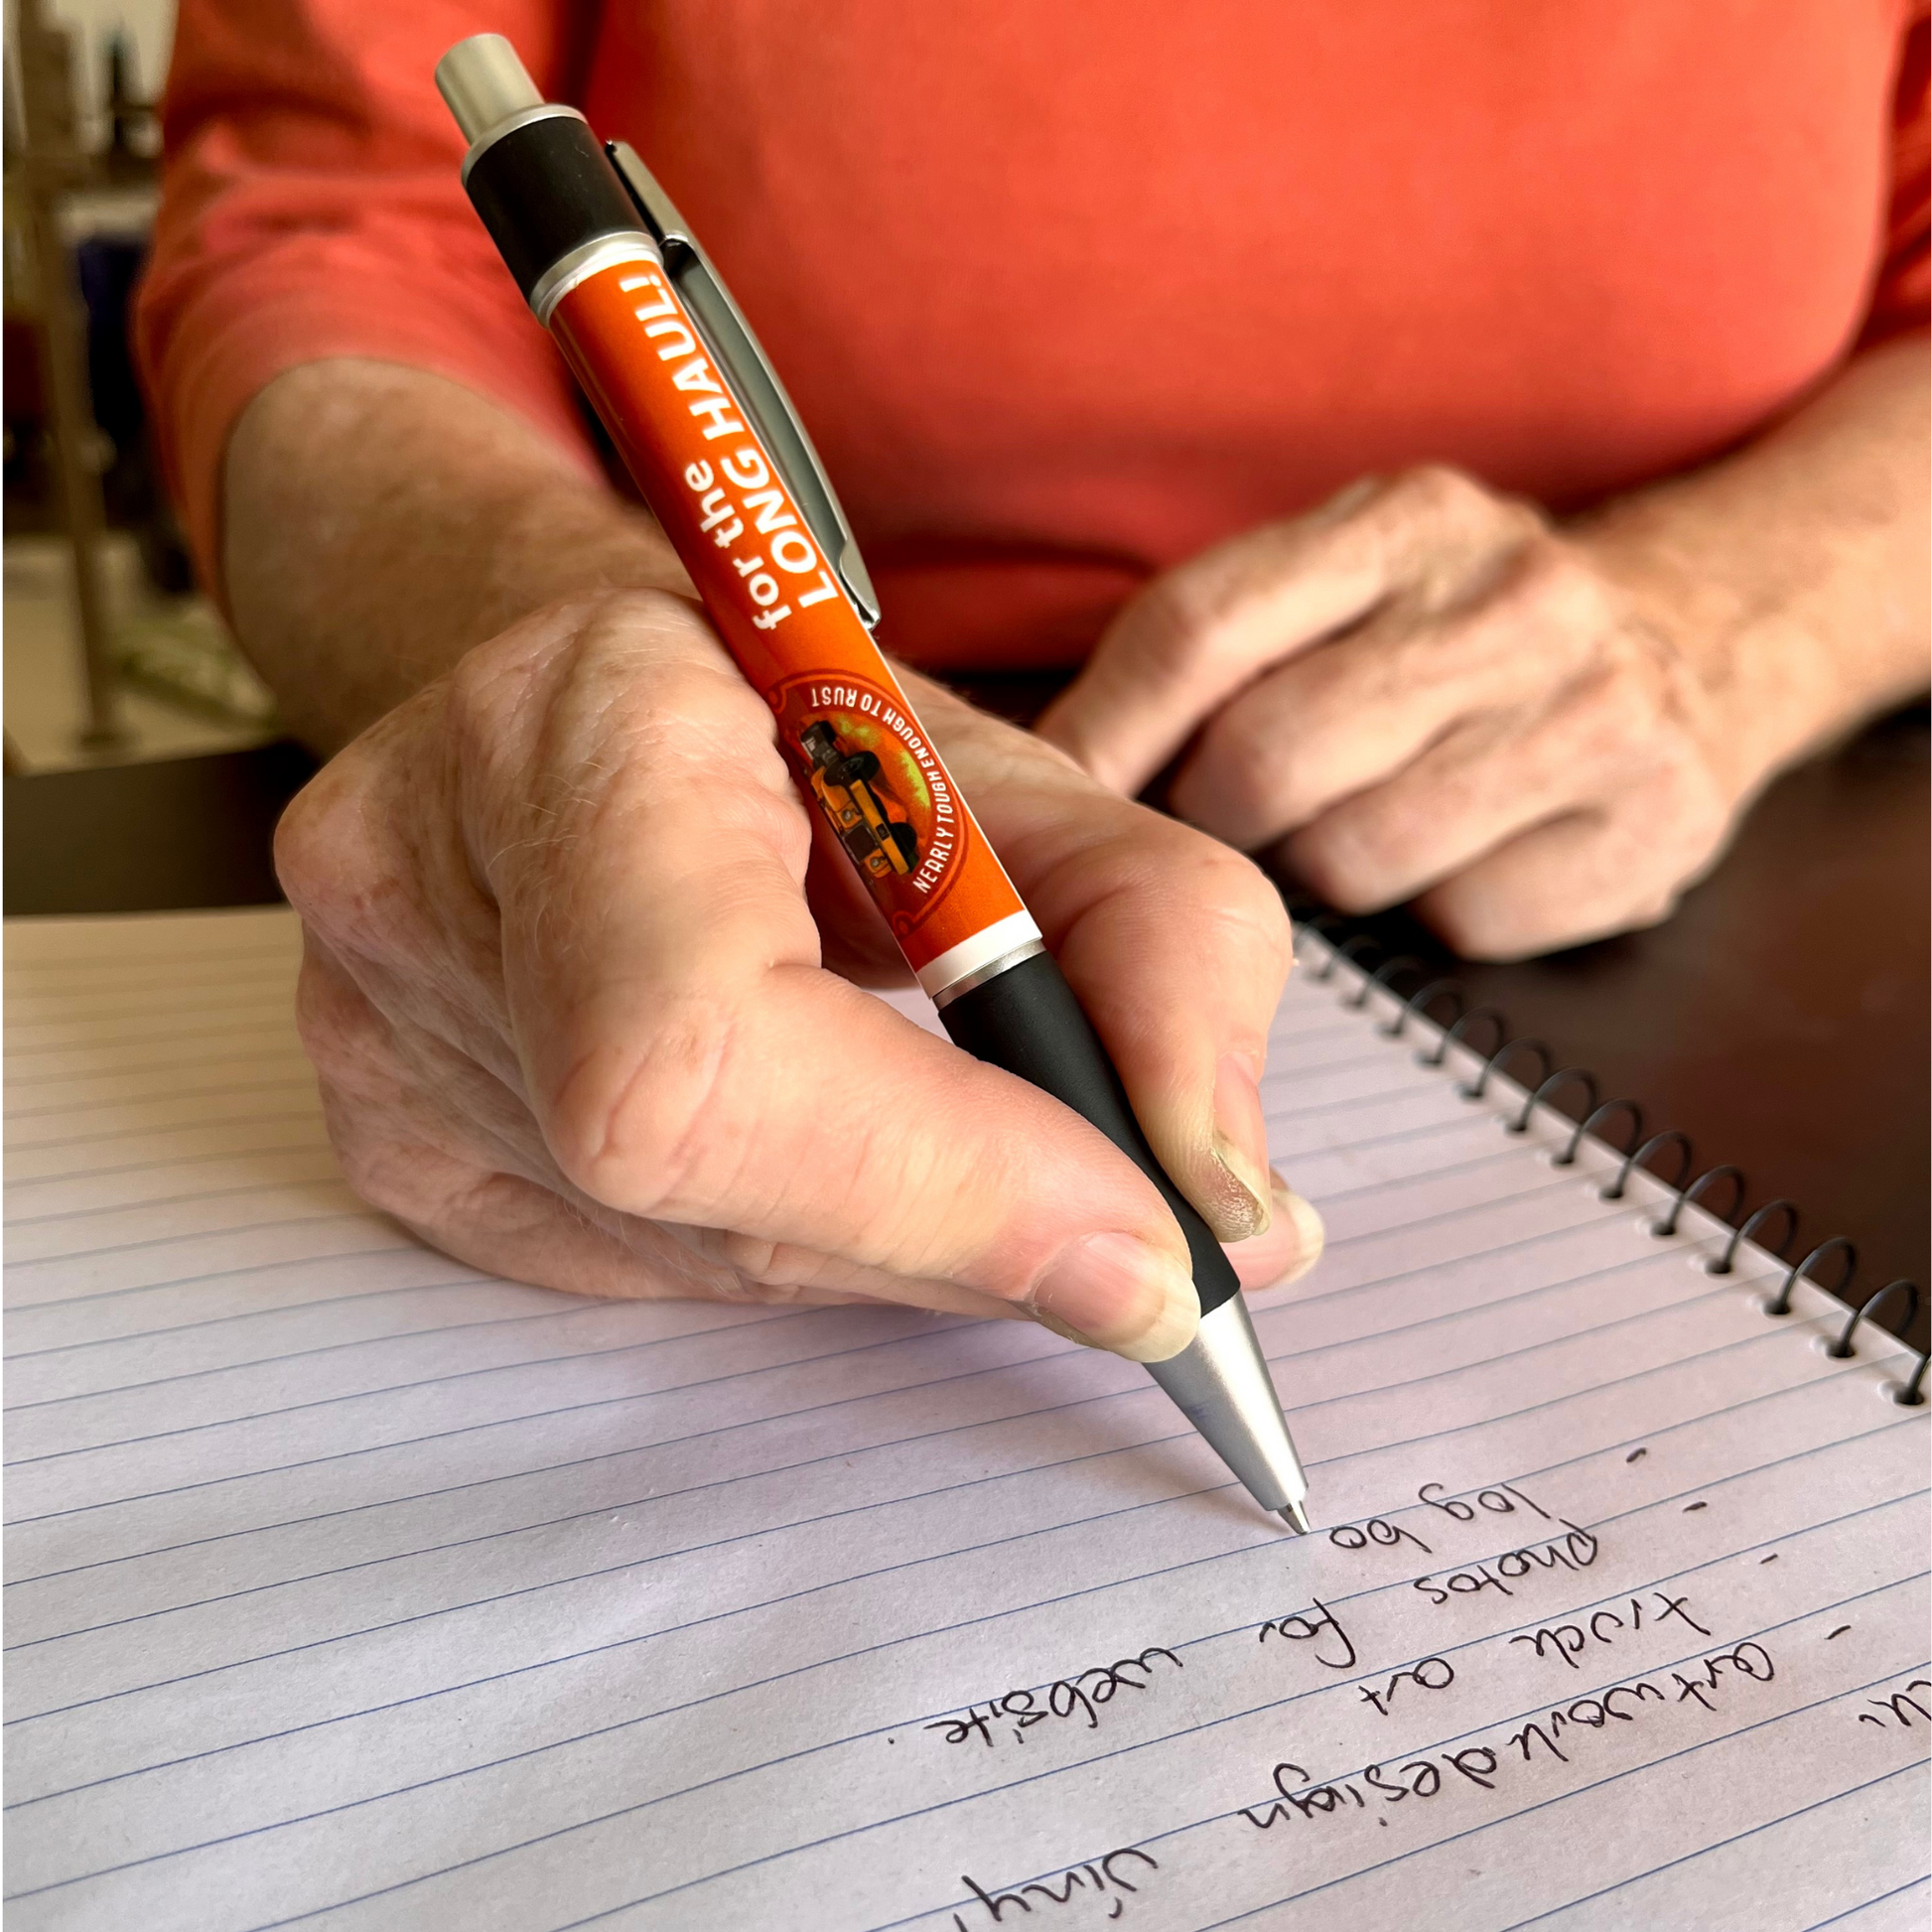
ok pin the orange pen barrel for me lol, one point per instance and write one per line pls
(854, 743)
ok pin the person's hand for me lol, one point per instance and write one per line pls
(568, 1005)
(1425, 691)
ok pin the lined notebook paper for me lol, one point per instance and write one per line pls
(349, 1588)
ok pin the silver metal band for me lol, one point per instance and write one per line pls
(990, 971)
(601, 253)
(992, 948)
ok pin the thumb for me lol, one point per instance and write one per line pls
(690, 1062)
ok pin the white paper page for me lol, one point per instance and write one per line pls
(351, 1589)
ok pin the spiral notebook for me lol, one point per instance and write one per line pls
(349, 1587)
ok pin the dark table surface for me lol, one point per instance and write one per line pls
(1779, 1019)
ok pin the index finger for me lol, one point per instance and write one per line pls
(1193, 636)
(1197, 634)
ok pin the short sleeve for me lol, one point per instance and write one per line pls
(311, 208)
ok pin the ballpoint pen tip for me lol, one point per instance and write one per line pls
(1295, 1517)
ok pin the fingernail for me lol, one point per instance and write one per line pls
(1241, 1148)
(1310, 1234)
(1113, 1292)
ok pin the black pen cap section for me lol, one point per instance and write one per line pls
(1028, 1021)
(544, 189)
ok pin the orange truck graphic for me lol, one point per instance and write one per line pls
(870, 823)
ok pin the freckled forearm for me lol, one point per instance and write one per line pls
(380, 521)
(1801, 561)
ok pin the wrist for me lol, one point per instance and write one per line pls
(563, 539)
(382, 521)
(1767, 684)
(1794, 571)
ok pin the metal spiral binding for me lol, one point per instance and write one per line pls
(1686, 1196)
(1588, 1125)
(1780, 1302)
(1789, 1209)
(1545, 1059)
(1540, 1097)
(1452, 1036)
(1380, 982)
(1420, 1001)
(1686, 1187)
(1636, 1158)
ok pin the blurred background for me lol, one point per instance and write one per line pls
(111, 655)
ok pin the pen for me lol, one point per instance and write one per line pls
(611, 270)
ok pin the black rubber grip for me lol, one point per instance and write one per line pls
(544, 189)
(1028, 1021)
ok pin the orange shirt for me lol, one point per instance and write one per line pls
(1064, 293)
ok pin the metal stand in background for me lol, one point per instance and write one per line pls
(51, 160)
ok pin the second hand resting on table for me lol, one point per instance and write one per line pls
(1543, 734)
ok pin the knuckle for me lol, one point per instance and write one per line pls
(1553, 588)
(1199, 619)
(659, 743)
(479, 683)
(1548, 578)
(714, 697)
(330, 849)
(1328, 856)
(1466, 927)
(334, 1018)
(441, 1196)
(1240, 770)
(755, 1263)
(379, 1169)
(487, 715)
(1477, 922)
(354, 1050)
(640, 1127)
(308, 837)
(1244, 903)
(364, 1108)
(1465, 509)
(775, 1273)
(1175, 618)
(1369, 848)
(603, 659)
(496, 698)
(1602, 729)
(624, 620)
(1597, 711)
(1438, 488)
(622, 737)
(647, 713)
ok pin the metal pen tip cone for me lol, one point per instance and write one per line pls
(1295, 1517)
(1220, 1383)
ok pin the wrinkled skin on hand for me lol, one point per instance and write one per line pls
(1425, 690)
(575, 1024)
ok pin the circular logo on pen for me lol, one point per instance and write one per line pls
(880, 788)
